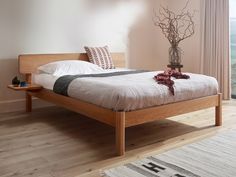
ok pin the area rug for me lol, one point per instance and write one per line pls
(211, 157)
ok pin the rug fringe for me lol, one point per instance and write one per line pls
(103, 174)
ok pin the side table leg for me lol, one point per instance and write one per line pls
(28, 106)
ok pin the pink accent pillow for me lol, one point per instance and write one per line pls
(100, 56)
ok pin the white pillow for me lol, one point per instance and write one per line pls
(70, 67)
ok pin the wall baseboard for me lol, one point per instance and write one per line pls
(19, 105)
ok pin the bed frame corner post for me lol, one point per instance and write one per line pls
(218, 111)
(120, 133)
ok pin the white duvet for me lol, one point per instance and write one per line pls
(133, 91)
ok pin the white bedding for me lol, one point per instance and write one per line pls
(134, 91)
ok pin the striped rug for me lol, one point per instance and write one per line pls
(212, 157)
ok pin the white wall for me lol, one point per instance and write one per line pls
(145, 35)
(57, 26)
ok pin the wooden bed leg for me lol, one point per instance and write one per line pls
(120, 133)
(218, 111)
(28, 106)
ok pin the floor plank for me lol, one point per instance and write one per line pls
(54, 142)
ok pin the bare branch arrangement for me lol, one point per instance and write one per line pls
(175, 27)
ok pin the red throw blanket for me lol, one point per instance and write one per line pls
(165, 78)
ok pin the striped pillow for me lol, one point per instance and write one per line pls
(100, 56)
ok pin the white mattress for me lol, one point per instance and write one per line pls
(134, 91)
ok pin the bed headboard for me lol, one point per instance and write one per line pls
(29, 63)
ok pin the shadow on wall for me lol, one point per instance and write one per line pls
(146, 42)
(141, 48)
(8, 70)
(139, 39)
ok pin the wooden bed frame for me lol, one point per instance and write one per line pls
(120, 120)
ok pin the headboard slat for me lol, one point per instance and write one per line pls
(29, 63)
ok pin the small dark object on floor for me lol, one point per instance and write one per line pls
(15, 81)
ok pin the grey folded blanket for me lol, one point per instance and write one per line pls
(62, 83)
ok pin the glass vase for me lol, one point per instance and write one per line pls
(175, 55)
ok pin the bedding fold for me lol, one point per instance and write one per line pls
(62, 83)
(127, 91)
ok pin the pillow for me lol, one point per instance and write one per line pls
(100, 56)
(70, 67)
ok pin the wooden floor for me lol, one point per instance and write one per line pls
(54, 142)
